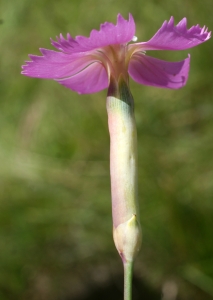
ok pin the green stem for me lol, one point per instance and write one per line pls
(128, 267)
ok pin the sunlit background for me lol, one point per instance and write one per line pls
(55, 211)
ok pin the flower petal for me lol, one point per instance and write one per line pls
(170, 37)
(90, 80)
(152, 71)
(109, 34)
(54, 64)
(69, 45)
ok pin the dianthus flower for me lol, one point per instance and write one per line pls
(86, 64)
(106, 60)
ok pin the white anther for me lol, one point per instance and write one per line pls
(134, 39)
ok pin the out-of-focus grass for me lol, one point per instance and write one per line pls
(55, 213)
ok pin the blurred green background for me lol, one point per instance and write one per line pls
(55, 211)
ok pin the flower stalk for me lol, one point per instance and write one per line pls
(123, 173)
(128, 268)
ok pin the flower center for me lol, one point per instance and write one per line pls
(115, 59)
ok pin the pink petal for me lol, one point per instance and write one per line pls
(54, 64)
(90, 80)
(109, 34)
(170, 37)
(69, 45)
(151, 71)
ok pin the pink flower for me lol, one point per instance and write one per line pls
(87, 64)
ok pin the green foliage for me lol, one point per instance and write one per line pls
(55, 211)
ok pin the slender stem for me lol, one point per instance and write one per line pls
(128, 267)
